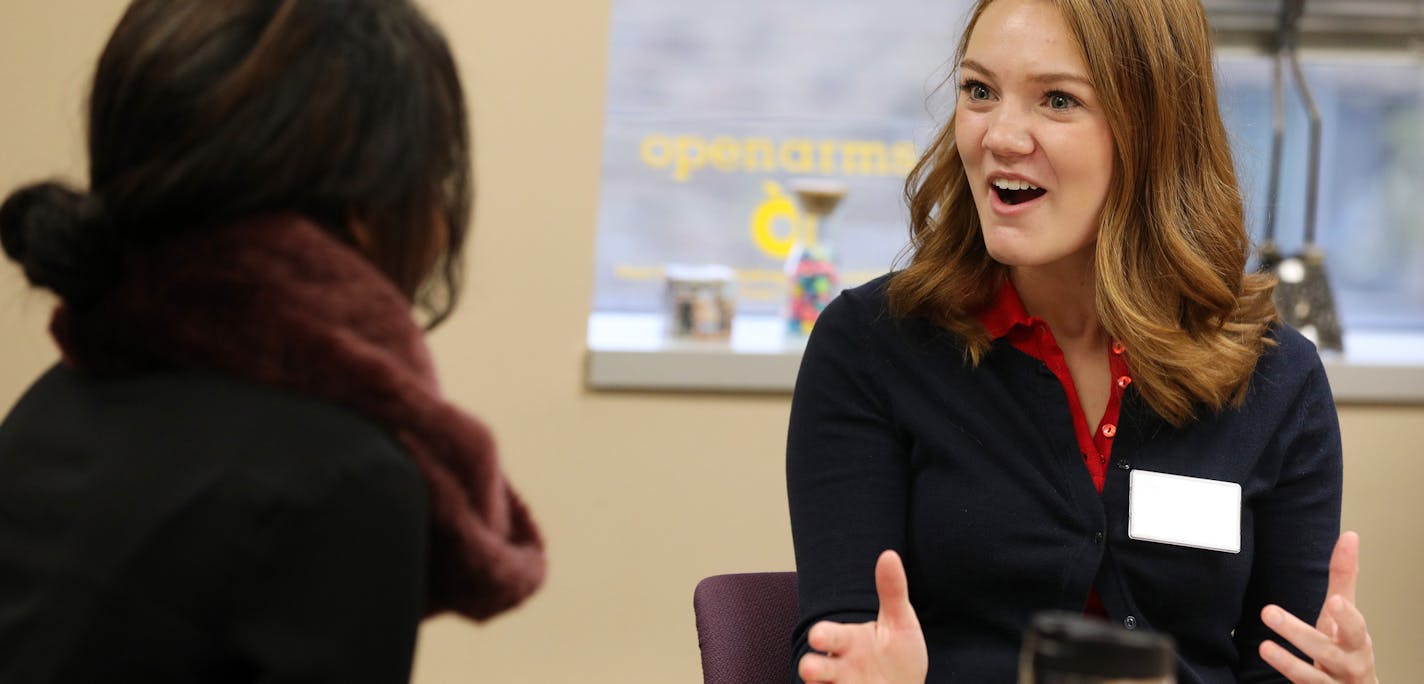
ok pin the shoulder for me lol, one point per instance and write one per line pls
(869, 298)
(1291, 346)
(863, 312)
(850, 323)
(184, 497)
(1289, 367)
(253, 435)
(859, 338)
(864, 308)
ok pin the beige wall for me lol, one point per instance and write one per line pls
(639, 495)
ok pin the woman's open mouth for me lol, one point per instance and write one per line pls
(1013, 192)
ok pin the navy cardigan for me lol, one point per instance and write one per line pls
(973, 475)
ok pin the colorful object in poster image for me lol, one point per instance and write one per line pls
(698, 302)
(811, 264)
(814, 283)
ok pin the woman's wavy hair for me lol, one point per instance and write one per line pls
(203, 112)
(1172, 244)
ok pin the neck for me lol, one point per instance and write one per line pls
(1064, 296)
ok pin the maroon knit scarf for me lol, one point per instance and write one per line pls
(280, 302)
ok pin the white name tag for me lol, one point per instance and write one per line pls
(1186, 511)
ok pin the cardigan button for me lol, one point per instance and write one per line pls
(1097, 537)
(1129, 622)
(1124, 465)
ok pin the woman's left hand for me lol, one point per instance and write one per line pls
(889, 650)
(1339, 642)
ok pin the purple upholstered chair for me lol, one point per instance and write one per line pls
(744, 625)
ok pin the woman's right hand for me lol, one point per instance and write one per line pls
(1339, 643)
(889, 650)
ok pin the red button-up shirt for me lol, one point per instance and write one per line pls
(1007, 318)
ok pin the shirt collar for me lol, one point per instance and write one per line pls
(1005, 312)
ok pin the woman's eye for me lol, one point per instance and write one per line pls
(976, 90)
(1061, 101)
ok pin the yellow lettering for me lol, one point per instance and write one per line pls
(773, 222)
(760, 275)
(828, 157)
(904, 156)
(797, 156)
(725, 152)
(864, 158)
(761, 293)
(687, 154)
(656, 151)
(759, 154)
(691, 155)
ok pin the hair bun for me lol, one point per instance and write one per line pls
(55, 233)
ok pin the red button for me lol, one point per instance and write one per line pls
(1118, 348)
(1123, 382)
(1109, 430)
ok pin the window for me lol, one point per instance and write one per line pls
(1370, 213)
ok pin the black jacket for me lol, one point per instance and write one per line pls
(189, 527)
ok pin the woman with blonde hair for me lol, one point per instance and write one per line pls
(1073, 397)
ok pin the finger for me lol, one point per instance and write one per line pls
(815, 667)
(1353, 634)
(1345, 567)
(1326, 624)
(829, 637)
(894, 591)
(1293, 668)
(1344, 574)
(1309, 640)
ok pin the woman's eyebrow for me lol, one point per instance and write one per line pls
(971, 64)
(1052, 77)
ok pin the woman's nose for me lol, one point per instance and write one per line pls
(1008, 135)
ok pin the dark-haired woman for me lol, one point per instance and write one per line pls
(243, 469)
(1073, 397)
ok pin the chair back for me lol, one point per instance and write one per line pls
(744, 624)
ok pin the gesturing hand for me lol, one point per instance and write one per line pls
(890, 650)
(1339, 642)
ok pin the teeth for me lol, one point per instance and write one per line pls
(1004, 184)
